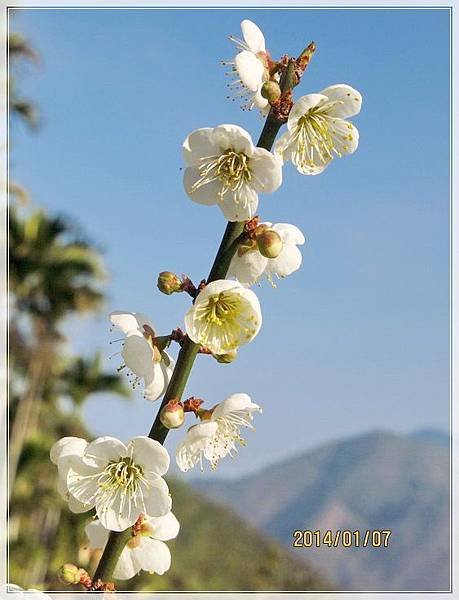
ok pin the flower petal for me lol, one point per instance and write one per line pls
(78, 507)
(138, 355)
(156, 496)
(250, 70)
(215, 287)
(103, 450)
(248, 268)
(164, 528)
(233, 137)
(198, 144)
(288, 261)
(266, 170)
(118, 514)
(82, 482)
(302, 106)
(207, 194)
(67, 446)
(350, 100)
(235, 402)
(97, 535)
(345, 136)
(129, 322)
(155, 383)
(149, 454)
(126, 567)
(152, 556)
(260, 102)
(289, 234)
(240, 205)
(191, 448)
(253, 36)
(283, 147)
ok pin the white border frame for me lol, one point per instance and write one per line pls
(5, 5)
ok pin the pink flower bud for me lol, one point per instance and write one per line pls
(172, 415)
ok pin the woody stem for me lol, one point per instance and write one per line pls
(189, 349)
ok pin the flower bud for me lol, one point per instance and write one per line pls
(69, 573)
(226, 358)
(168, 283)
(172, 415)
(271, 91)
(269, 244)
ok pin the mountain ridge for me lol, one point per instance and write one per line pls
(377, 480)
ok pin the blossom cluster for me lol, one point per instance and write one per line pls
(123, 484)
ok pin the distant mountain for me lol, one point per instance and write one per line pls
(434, 436)
(217, 550)
(374, 481)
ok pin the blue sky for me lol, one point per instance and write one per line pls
(355, 340)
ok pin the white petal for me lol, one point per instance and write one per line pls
(207, 194)
(260, 102)
(288, 261)
(308, 169)
(349, 98)
(233, 137)
(255, 307)
(157, 499)
(126, 567)
(190, 449)
(235, 402)
(248, 268)
(138, 355)
(82, 482)
(62, 486)
(97, 535)
(283, 147)
(103, 450)
(152, 556)
(78, 507)
(199, 144)
(266, 170)
(128, 322)
(149, 454)
(250, 70)
(67, 446)
(240, 205)
(345, 136)
(155, 383)
(118, 515)
(253, 36)
(215, 287)
(164, 528)
(302, 106)
(289, 234)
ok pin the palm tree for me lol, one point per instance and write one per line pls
(37, 524)
(53, 273)
(19, 50)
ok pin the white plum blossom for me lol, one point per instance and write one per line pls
(120, 481)
(250, 266)
(250, 67)
(140, 355)
(223, 167)
(145, 551)
(62, 453)
(216, 436)
(317, 130)
(224, 316)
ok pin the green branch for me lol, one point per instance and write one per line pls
(189, 350)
